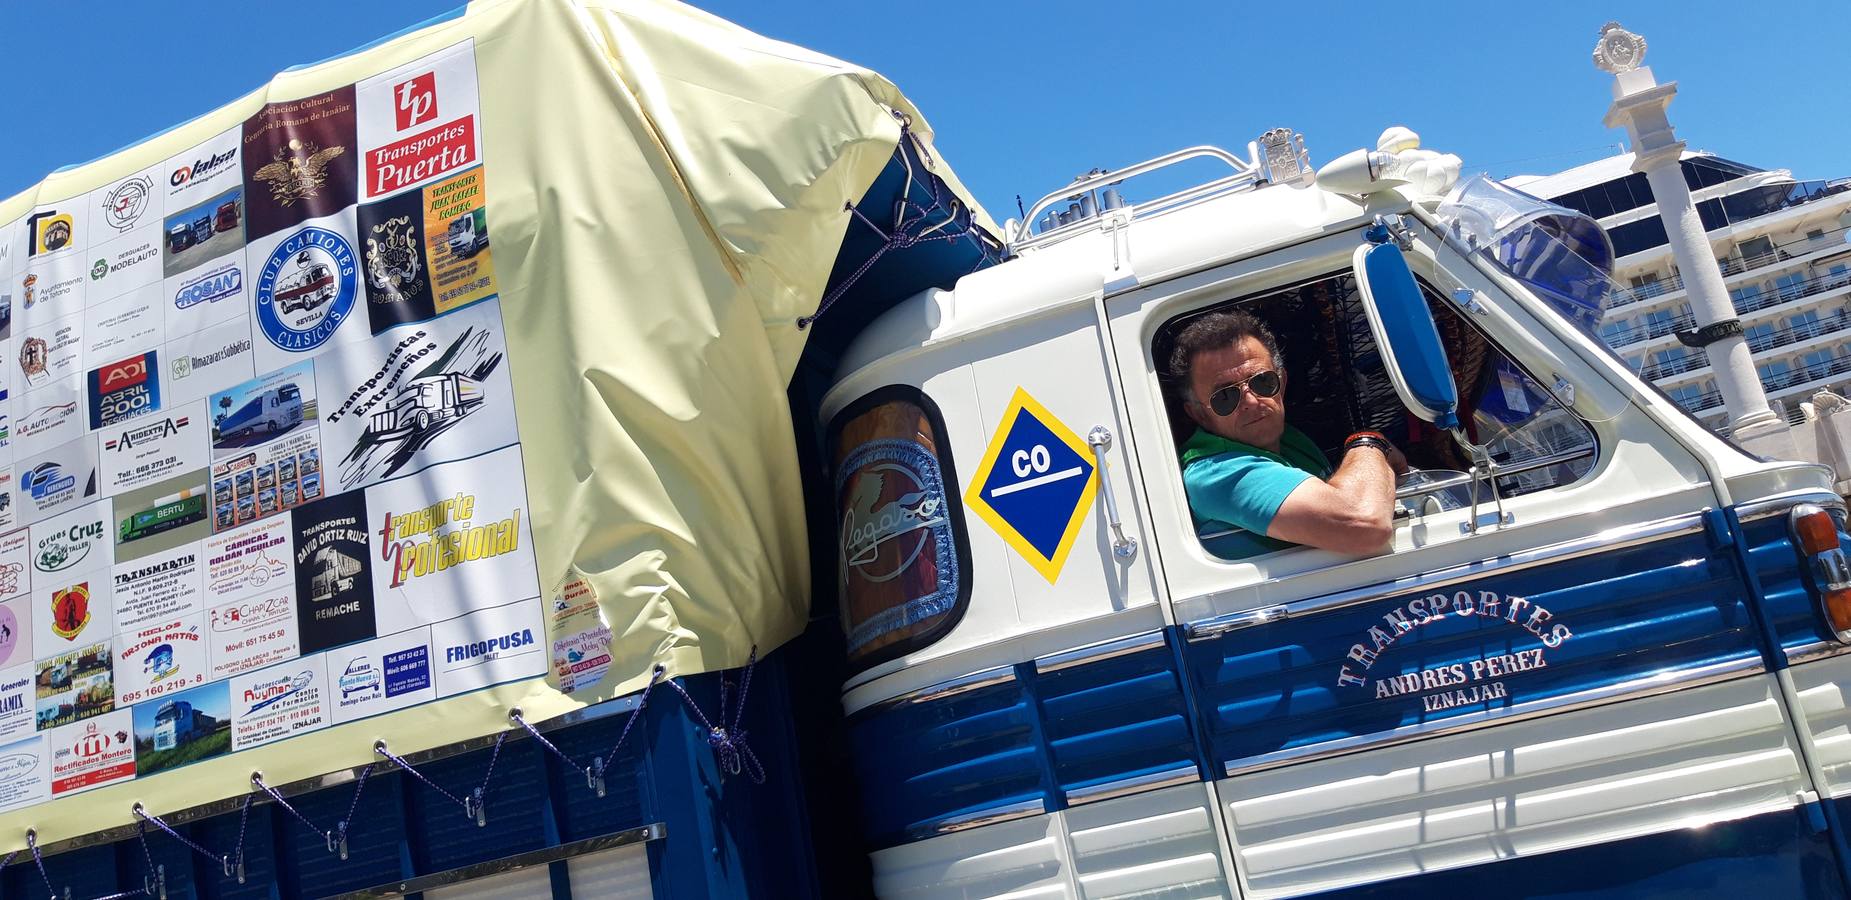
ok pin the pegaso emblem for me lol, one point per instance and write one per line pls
(297, 171)
(1618, 50)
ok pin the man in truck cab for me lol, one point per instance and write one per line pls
(1255, 483)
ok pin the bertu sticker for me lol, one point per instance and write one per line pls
(1034, 484)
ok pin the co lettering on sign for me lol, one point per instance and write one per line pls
(1034, 461)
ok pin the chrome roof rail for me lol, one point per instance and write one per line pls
(1278, 157)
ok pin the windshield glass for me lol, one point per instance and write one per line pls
(1559, 253)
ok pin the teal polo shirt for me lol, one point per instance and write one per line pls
(1239, 487)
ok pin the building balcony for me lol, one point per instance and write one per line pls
(1800, 377)
(1689, 361)
(1737, 264)
(1785, 294)
(1793, 334)
(1701, 402)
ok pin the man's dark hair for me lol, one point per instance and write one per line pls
(1213, 332)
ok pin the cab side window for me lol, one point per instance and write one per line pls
(904, 560)
(1337, 385)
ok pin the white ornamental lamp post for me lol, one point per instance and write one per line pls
(1639, 103)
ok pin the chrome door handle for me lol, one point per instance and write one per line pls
(1123, 546)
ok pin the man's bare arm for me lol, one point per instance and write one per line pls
(1353, 512)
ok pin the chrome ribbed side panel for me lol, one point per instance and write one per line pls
(1605, 774)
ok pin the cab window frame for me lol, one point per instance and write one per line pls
(1162, 335)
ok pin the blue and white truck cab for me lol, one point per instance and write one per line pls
(1606, 651)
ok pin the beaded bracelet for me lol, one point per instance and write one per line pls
(1366, 439)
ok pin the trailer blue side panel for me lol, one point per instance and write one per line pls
(725, 836)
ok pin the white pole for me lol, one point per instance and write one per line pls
(1639, 105)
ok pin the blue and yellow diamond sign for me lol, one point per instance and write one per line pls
(1035, 484)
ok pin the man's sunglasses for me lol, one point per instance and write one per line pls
(1226, 398)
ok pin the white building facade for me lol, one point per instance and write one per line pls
(1782, 245)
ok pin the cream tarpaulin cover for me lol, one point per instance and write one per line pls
(597, 220)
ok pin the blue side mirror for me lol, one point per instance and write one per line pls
(1403, 329)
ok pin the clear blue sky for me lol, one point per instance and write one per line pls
(1025, 95)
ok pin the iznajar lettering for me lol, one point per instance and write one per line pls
(1453, 684)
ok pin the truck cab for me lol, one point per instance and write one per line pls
(467, 234)
(1602, 637)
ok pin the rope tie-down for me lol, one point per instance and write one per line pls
(911, 226)
(724, 732)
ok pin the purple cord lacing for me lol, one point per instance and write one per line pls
(482, 791)
(236, 857)
(340, 828)
(900, 239)
(730, 743)
(32, 843)
(641, 704)
(257, 780)
(147, 817)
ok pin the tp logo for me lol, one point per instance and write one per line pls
(417, 100)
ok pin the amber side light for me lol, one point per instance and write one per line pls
(1814, 529)
(1816, 533)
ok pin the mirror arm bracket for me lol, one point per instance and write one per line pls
(1390, 228)
(1484, 472)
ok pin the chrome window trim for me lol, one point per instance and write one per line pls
(1136, 784)
(1638, 688)
(1112, 649)
(533, 858)
(966, 821)
(1780, 503)
(950, 687)
(1612, 539)
(1814, 651)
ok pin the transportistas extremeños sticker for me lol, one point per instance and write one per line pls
(416, 395)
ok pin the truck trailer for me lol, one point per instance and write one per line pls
(831, 540)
